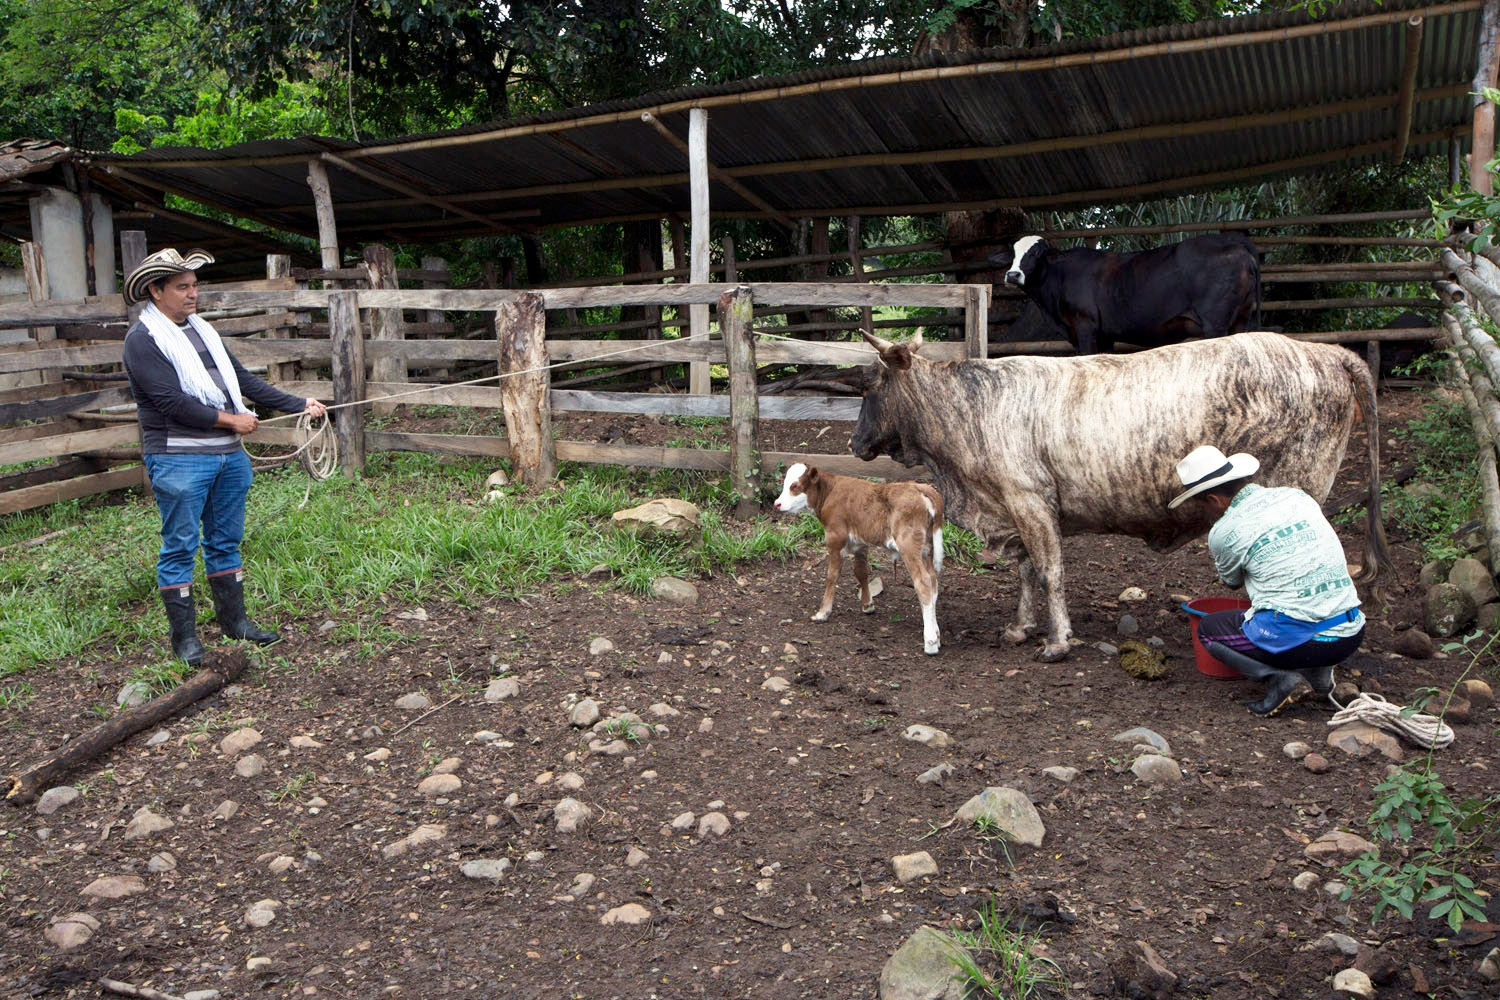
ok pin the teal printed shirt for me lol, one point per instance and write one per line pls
(1278, 544)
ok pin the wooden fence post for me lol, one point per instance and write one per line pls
(435, 315)
(735, 312)
(521, 330)
(34, 269)
(385, 324)
(977, 321)
(279, 265)
(347, 348)
(132, 252)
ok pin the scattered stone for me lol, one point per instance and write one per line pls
(144, 823)
(496, 479)
(927, 736)
(157, 738)
(630, 913)
(1140, 734)
(448, 765)
(1446, 610)
(1342, 944)
(493, 869)
(1317, 763)
(1296, 750)
(705, 725)
(1306, 881)
(1354, 982)
(164, 861)
(1457, 711)
(1140, 971)
(1473, 578)
(71, 930)
(663, 711)
(1107, 649)
(600, 646)
(582, 883)
(1377, 963)
(1478, 693)
(1132, 594)
(684, 821)
(636, 857)
(201, 995)
(1345, 691)
(378, 755)
(712, 824)
(663, 516)
(281, 864)
(1432, 573)
(439, 785)
(250, 766)
(1127, 626)
(923, 968)
(775, 684)
(570, 782)
(1154, 769)
(258, 965)
(569, 813)
(1489, 966)
(1061, 774)
(414, 702)
(910, 867)
(239, 741)
(262, 912)
(1414, 644)
(304, 743)
(612, 748)
(54, 799)
(424, 834)
(1010, 810)
(1335, 847)
(1359, 739)
(1334, 888)
(934, 775)
(584, 714)
(674, 591)
(502, 688)
(226, 810)
(114, 887)
(133, 695)
(490, 736)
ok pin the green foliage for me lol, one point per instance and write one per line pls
(220, 119)
(1000, 960)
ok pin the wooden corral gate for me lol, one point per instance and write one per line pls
(72, 434)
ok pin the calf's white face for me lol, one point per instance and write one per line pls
(792, 498)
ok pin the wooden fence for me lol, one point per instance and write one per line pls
(361, 336)
(1471, 292)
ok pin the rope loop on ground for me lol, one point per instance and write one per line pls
(1426, 731)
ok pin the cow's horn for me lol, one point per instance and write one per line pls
(880, 344)
(916, 340)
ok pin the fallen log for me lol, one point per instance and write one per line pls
(222, 666)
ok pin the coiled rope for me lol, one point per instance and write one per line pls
(1427, 731)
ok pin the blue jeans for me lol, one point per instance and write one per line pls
(193, 493)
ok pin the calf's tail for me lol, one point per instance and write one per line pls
(1377, 558)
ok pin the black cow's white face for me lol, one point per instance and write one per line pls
(1020, 260)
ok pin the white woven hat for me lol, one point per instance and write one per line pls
(158, 266)
(1206, 467)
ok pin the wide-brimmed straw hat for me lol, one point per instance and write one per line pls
(158, 266)
(1206, 467)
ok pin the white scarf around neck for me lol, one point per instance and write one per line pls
(191, 373)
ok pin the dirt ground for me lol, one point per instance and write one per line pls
(798, 898)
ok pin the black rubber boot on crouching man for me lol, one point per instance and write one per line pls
(184, 621)
(1283, 687)
(229, 606)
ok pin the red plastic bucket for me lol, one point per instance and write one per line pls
(1203, 658)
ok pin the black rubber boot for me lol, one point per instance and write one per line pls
(1283, 687)
(184, 622)
(229, 606)
(1321, 678)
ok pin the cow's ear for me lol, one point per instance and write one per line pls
(809, 477)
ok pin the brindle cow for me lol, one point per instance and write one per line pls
(1029, 450)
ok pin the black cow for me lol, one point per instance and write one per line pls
(1208, 286)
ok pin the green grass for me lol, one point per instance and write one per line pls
(1001, 962)
(412, 528)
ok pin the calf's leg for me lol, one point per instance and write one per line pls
(862, 574)
(835, 545)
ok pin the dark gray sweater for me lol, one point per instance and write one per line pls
(172, 422)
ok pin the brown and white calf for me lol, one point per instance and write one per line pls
(906, 518)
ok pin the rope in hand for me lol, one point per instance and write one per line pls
(1427, 731)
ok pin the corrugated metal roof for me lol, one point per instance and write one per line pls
(1121, 118)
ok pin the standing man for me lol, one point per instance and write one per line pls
(187, 390)
(1304, 614)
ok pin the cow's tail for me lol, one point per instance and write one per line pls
(1255, 313)
(1377, 559)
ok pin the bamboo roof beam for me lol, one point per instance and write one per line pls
(384, 179)
(1414, 31)
(722, 176)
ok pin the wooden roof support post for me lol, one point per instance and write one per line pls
(347, 347)
(698, 262)
(328, 234)
(385, 324)
(866, 313)
(1483, 147)
(1408, 94)
(735, 311)
(34, 269)
(723, 176)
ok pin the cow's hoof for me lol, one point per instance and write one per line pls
(931, 648)
(1019, 633)
(1052, 652)
(821, 616)
(868, 609)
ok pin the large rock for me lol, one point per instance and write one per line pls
(1355, 983)
(923, 968)
(54, 799)
(674, 591)
(1360, 739)
(1336, 847)
(1414, 644)
(1010, 810)
(662, 516)
(1154, 769)
(71, 930)
(1473, 578)
(1446, 610)
(144, 823)
(910, 867)
(1477, 692)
